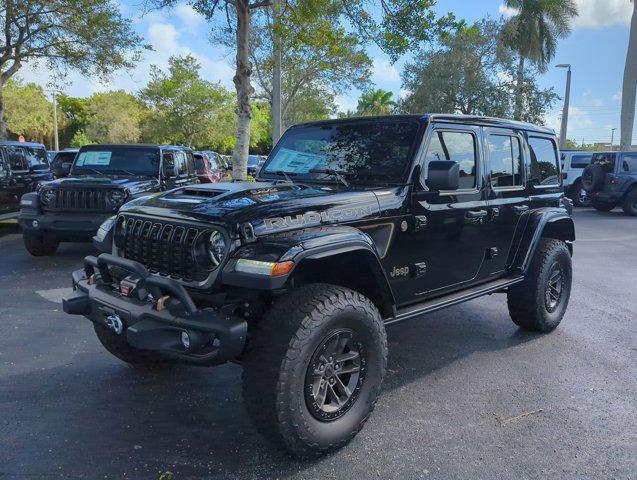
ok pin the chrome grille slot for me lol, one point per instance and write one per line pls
(80, 200)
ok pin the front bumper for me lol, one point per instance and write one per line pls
(62, 226)
(156, 313)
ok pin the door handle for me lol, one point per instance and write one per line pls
(476, 214)
(520, 208)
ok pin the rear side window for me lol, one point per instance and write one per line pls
(199, 163)
(61, 158)
(544, 166)
(581, 161)
(458, 147)
(16, 159)
(605, 160)
(183, 163)
(36, 157)
(505, 160)
(630, 163)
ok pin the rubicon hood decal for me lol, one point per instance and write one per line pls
(309, 219)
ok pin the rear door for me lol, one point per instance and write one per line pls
(7, 199)
(508, 197)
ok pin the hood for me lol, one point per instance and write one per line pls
(134, 185)
(268, 206)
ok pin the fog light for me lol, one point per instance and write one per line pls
(35, 224)
(185, 340)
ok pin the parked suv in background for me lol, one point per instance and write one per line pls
(208, 167)
(23, 166)
(62, 161)
(611, 181)
(102, 179)
(351, 225)
(573, 164)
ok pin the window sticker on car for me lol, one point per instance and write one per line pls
(293, 161)
(94, 158)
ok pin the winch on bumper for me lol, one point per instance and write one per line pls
(153, 312)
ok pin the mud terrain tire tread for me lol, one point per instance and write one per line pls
(526, 299)
(276, 343)
(37, 246)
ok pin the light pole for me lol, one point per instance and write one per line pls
(612, 139)
(55, 122)
(567, 97)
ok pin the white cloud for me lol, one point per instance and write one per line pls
(617, 97)
(578, 120)
(508, 12)
(384, 71)
(188, 16)
(346, 103)
(603, 13)
(403, 93)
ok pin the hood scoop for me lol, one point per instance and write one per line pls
(190, 194)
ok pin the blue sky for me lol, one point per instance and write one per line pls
(596, 49)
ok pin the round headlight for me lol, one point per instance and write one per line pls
(216, 247)
(47, 196)
(116, 197)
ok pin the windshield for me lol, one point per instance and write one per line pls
(126, 160)
(605, 160)
(376, 151)
(36, 157)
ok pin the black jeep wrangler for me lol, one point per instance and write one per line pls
(23, 165)
(611, 181)
(101, 179)
(352, 225)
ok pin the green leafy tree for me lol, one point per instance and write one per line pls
(113, 117)
(27, 111)
(184, 108)
(396, 28)
(76, 117)
(376, 102)
(317, 54)
(91, 36)
(472, 73)
(80, 139)
(310, 104)
(629, 92)
(533, 34)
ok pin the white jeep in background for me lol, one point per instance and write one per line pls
(573, 164)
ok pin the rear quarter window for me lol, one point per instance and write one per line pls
(630, 163)
(544, 161)
(581, 161)
(605, 160)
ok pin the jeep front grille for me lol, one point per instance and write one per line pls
(163, 247)
(80, 200)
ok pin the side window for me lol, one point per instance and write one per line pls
(458, 147)
(35, 157)
(505, 160)
(544, 169)
(16, 158)
(581, 161)
(630, 163)
(169, 161)
(190, 162)
(3, 170)
(181, 163)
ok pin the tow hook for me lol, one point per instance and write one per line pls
(114, 322)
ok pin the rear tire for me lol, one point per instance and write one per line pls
(603, 207)
(539, 302)
(579, 196)
(630, 203)
(314, 368)
(38, 246)
(117, 346)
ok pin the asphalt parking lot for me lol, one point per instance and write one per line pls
(467, 395)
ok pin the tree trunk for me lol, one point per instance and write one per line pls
(244, 90)
(630, 86)
(519, 87)
(276, 75)
(3, 124)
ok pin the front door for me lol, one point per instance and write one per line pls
(447, 249)
(7, 199)
(507, 193)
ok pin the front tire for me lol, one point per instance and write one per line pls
(38, 246)
(539, 302)
(603, 207)
(314, 368)
(630, 203)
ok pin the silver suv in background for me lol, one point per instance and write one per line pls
(573, 164)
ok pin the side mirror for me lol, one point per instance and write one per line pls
(443, 175)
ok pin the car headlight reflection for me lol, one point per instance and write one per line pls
(217, 247)
(116, 198)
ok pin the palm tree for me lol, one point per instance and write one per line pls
(376, 102)
(533, 34)
(630, 86)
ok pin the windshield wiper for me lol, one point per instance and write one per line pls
(125, 171)
(281, 173)
(334, 173)
(92, 170)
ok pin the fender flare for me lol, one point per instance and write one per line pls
(544, 222)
